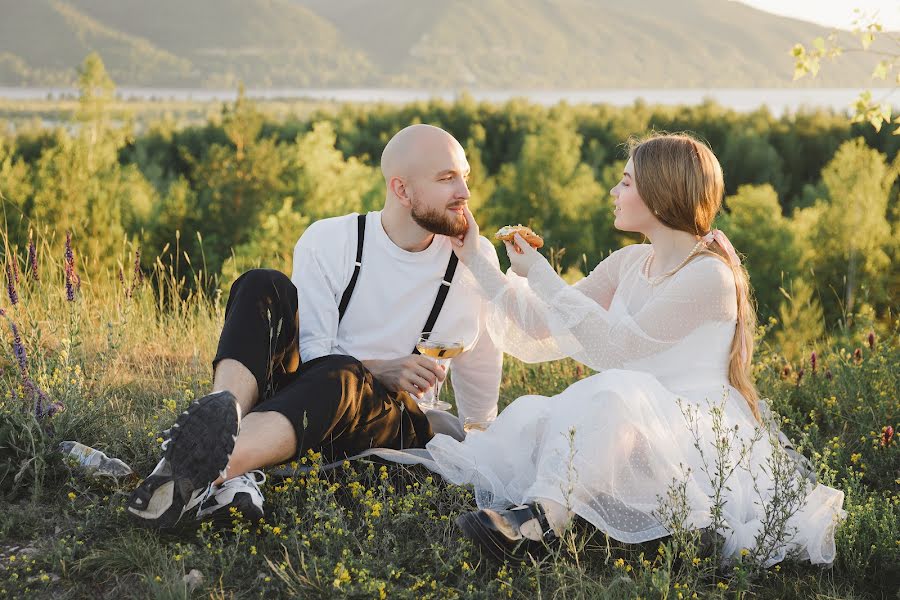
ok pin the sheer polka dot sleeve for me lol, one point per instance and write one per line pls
(542, 318)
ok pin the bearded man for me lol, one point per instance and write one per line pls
(326, 360)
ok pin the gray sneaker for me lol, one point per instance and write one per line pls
(197, 451)
(236, 498)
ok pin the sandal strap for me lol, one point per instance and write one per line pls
(519, 515)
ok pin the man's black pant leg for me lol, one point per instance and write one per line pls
(339, 408)
(261, 329)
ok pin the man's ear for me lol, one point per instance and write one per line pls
(398, 188)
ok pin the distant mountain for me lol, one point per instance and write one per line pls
(436, 44)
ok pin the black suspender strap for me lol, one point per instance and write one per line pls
(345, 299)
(441, 296)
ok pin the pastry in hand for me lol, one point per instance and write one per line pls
(508, 233)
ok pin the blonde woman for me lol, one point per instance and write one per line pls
(669, 327)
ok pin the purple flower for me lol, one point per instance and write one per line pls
(857, 355)
(32, 260)
(813, 358)
(70, 256)
(11, 286)
(871, 340)
(15, 268)
(72, 280)
(19, 350)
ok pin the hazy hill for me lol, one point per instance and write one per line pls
(409, 43)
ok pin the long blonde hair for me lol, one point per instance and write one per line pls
(680, 180)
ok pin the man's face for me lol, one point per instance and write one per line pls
(438, 191)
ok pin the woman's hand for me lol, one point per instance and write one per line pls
(522, 256)
(466, 245)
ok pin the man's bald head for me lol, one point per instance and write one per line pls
(426, 172)
(414, 148)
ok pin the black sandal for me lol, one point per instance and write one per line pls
(499, 532)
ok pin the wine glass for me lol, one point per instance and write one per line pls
(441, 350)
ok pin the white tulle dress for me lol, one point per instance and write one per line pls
(612, 445)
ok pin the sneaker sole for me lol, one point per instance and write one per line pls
(199, 449)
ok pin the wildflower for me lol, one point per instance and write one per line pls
(813, 359)
(72, 496)
(857, 355)
(887, 435)
(11, 286)
(854, 458)
(19, 350)
(871, 339)
(73, 282)
(786, 371)
(32, 259)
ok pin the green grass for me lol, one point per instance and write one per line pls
(124, 367)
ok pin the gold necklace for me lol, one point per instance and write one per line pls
(659, 278)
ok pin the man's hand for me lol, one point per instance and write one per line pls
(522, 256)
(466, 245)
(415, 373)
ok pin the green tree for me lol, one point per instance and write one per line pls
(845, 237)
(551, 190)
(802, 321)
(323, 183)
(235, 183)
(755, 225)
(79, 183)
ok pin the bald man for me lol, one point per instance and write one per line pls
(326, 360)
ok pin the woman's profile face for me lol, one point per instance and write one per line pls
(630, 211)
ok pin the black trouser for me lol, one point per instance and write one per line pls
(335, 404)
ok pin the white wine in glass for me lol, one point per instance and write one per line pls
(441, 350)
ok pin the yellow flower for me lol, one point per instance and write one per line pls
(72, 496)
(722, 586)
(253, 550)
(855, 457)
(276, 530)
(745, 552)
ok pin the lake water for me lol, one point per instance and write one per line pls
(778, 100)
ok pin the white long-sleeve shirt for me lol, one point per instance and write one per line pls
(392, 299)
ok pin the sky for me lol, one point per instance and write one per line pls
(833, 13)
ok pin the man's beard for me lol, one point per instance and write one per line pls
(437, 221)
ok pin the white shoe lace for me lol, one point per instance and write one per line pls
(256, 476)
